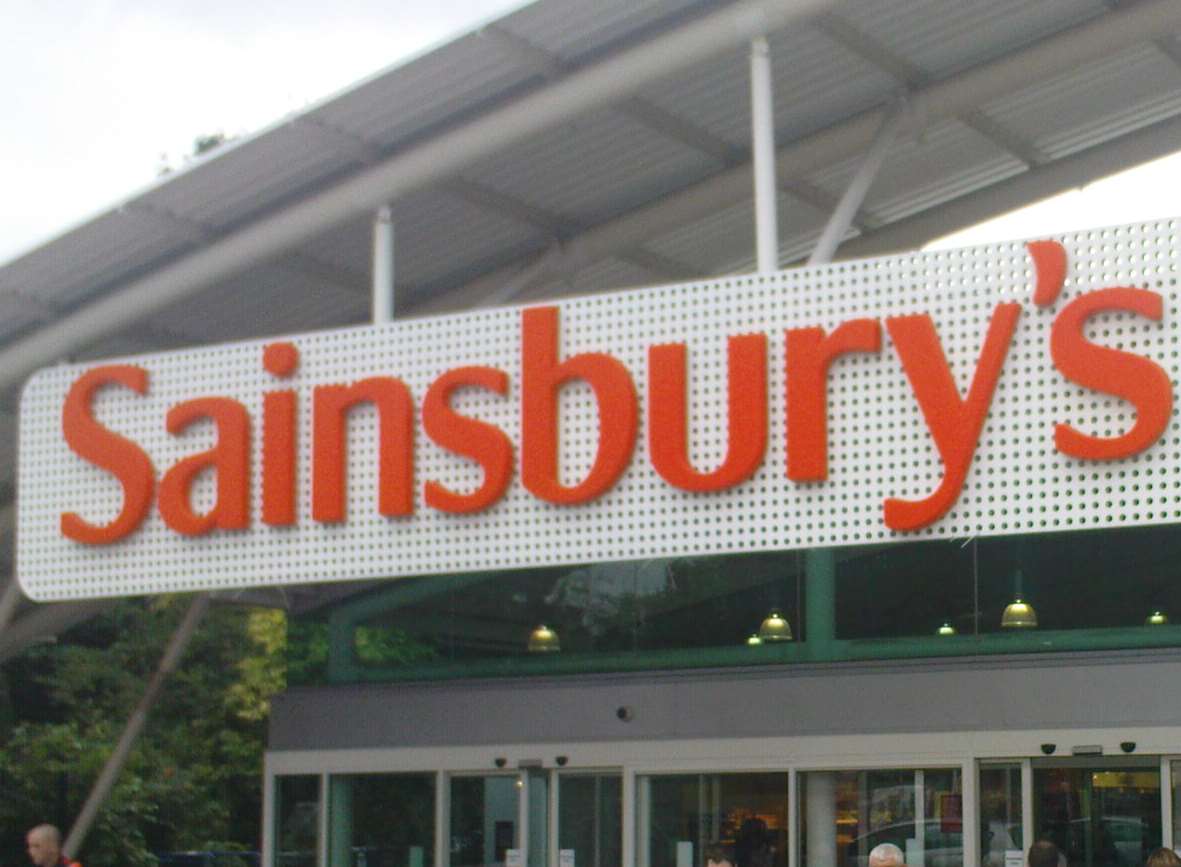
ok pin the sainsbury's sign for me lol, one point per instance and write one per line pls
(1005, 389)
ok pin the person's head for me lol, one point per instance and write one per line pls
(1162, 857)
(45, 845)
(886, 855)
(1043, 853)
(719, 855)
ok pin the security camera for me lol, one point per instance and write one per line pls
(1128, 746)
(500, 761)
(624, 713)
(561, 760)
(1048, 749)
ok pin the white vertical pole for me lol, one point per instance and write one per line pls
(268, 812)
(636, 808)
(970, 813)
(553, 807)
(820, 813)
(322, 854)
(793, 818)
(383, 266)
(762, 120)
(1166, 802)
(920, 817)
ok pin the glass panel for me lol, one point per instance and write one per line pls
(483, 820)
(1000, 813)
(297, 820)
(905, 589)
(1099, 817)
(846, 814)
(590, 819)
(382, 820)
(686, 813)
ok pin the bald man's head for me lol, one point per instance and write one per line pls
(45, 846)
(886, 855)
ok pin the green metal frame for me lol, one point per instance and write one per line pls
(820, 644)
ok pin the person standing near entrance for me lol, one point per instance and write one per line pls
(719, 855)
(886, 855)
(45, 847)
(1044, 853)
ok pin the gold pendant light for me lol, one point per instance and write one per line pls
(754, 640)
(775, 628)
(544, 640)
(946, 629)
(1157, 618)
(1019, 615)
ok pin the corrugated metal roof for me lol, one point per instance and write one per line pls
(500, 212)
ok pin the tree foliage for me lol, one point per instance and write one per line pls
(193, 780)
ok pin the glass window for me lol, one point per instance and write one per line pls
(382, 820)
(484, 819)
(846, 814)
(683, 814)
(297, 820)
(590, 818)
(1000, 813)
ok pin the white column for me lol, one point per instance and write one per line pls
(383, 266)
(762, 121)
(820, 815)
(1027, 829)
(442, 819)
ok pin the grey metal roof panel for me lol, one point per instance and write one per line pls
(574, 29)
(1095, 102)
(943, 161)
(940, 37)
(604, 162)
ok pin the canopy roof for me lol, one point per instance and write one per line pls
(573, 147)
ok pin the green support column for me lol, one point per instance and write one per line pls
(820, 603)
(340, 821)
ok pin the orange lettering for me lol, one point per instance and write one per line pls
(542, 377)
(395, 409)
(229, 458)
(668, 424)
(955, 424)
(1134, 378)
(484, 443)
(810, 354)
(106, 449)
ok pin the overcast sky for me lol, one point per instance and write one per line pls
(100, 94)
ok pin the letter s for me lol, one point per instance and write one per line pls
(1134, 378)
(108, 450)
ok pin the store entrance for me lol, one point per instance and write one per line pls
(1099, 812)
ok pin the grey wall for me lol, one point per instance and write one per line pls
(992, 693)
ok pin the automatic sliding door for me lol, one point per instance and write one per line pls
(1099, 814)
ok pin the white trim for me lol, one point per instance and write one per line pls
(969, 805)
(1027, 803)
(793, 818)
(322, 803)
(442, 819)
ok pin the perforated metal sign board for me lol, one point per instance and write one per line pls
(1008, 388)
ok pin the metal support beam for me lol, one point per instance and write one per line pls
(438, 157)
(850, 203)
(9, 599)
(110, 772)
(949, 97)
(762, 123)
(383, 265)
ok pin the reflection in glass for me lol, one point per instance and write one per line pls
(687, 812)
(297, 820)
(1000, 813)
(483, 820)
(382, 820)
(590, 818)
(1099, 817)
(845, 814)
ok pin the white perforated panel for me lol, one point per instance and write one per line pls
(879, 445)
